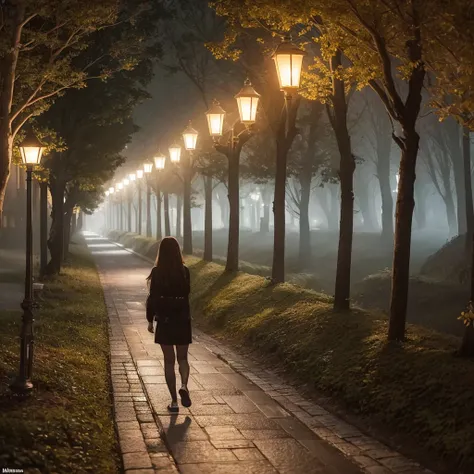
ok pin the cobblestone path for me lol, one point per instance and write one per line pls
(244, 419)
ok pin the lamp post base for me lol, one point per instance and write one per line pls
(21, 386)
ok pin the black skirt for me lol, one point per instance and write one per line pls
(173, 322)
(173, 331)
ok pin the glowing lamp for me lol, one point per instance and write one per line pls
(107, 193)
(125, 182)
(175, 153)
(132, 176)
(111, 190)
(31, 150)
(247, 101)
(215, 119)
(139, 174)
(160, 161)
(120, 186)
(148, 167)
(288, 61)
(190, 137)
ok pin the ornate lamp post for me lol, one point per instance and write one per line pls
(31, 150)
(247, 101)
(288, 62)
(190, 139)
(148, 168)
(160, 161)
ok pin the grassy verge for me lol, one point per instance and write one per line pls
(66, 425)
(419, 389)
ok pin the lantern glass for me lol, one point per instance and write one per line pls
(107, 193)
(139, 174)
(288, 61)
(190, 138)
(120, 186)
(31, 150)
(175, 153)
(247, 101)
(160, 161)
(126, 182)
(111, 190)
(132, 176)
(147, 167)
(215, 119)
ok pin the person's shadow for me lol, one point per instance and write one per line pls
(177, 431)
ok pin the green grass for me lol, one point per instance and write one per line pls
(418, 388)
(66, 425)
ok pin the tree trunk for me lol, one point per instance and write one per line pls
(344, 253)
(456, 155)
(284, 139)
(187, 224)
(139, 215)
(73, 224)
(383, 173)
(208, 184)
(67, 231)
(129, 211)
(179, 207)
(403, 226)
(346, 175)
(466, 149)
(56, 232)
(232, 263)
(159, 235)
(43, 227)
(365, 206)
(305, 233)
(450, 214)
(9, 64)
(166, 205)
(148, 210)
(467, 345)
(80, 221)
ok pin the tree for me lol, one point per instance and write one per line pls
(39, 41)
(310, 154)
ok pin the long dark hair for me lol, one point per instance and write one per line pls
(169, 263)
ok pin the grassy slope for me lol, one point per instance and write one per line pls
(420, 388)
(66, 425)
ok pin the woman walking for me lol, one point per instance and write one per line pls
(168, 304)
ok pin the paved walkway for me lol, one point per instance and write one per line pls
(244, 419)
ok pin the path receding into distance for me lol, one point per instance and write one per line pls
(244, 419)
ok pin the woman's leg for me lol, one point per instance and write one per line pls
(170, 376)
(182, 356)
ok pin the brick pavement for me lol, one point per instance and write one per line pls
(244, 419)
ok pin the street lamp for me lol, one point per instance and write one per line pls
(190, 137)
(31, 150)
(175, 153)
(288, 61)
(147, 167)
(215, 119)
(160, 161)
(132, 177)
(247, 101)
(139, 174)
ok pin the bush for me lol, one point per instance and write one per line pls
(418, 388)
